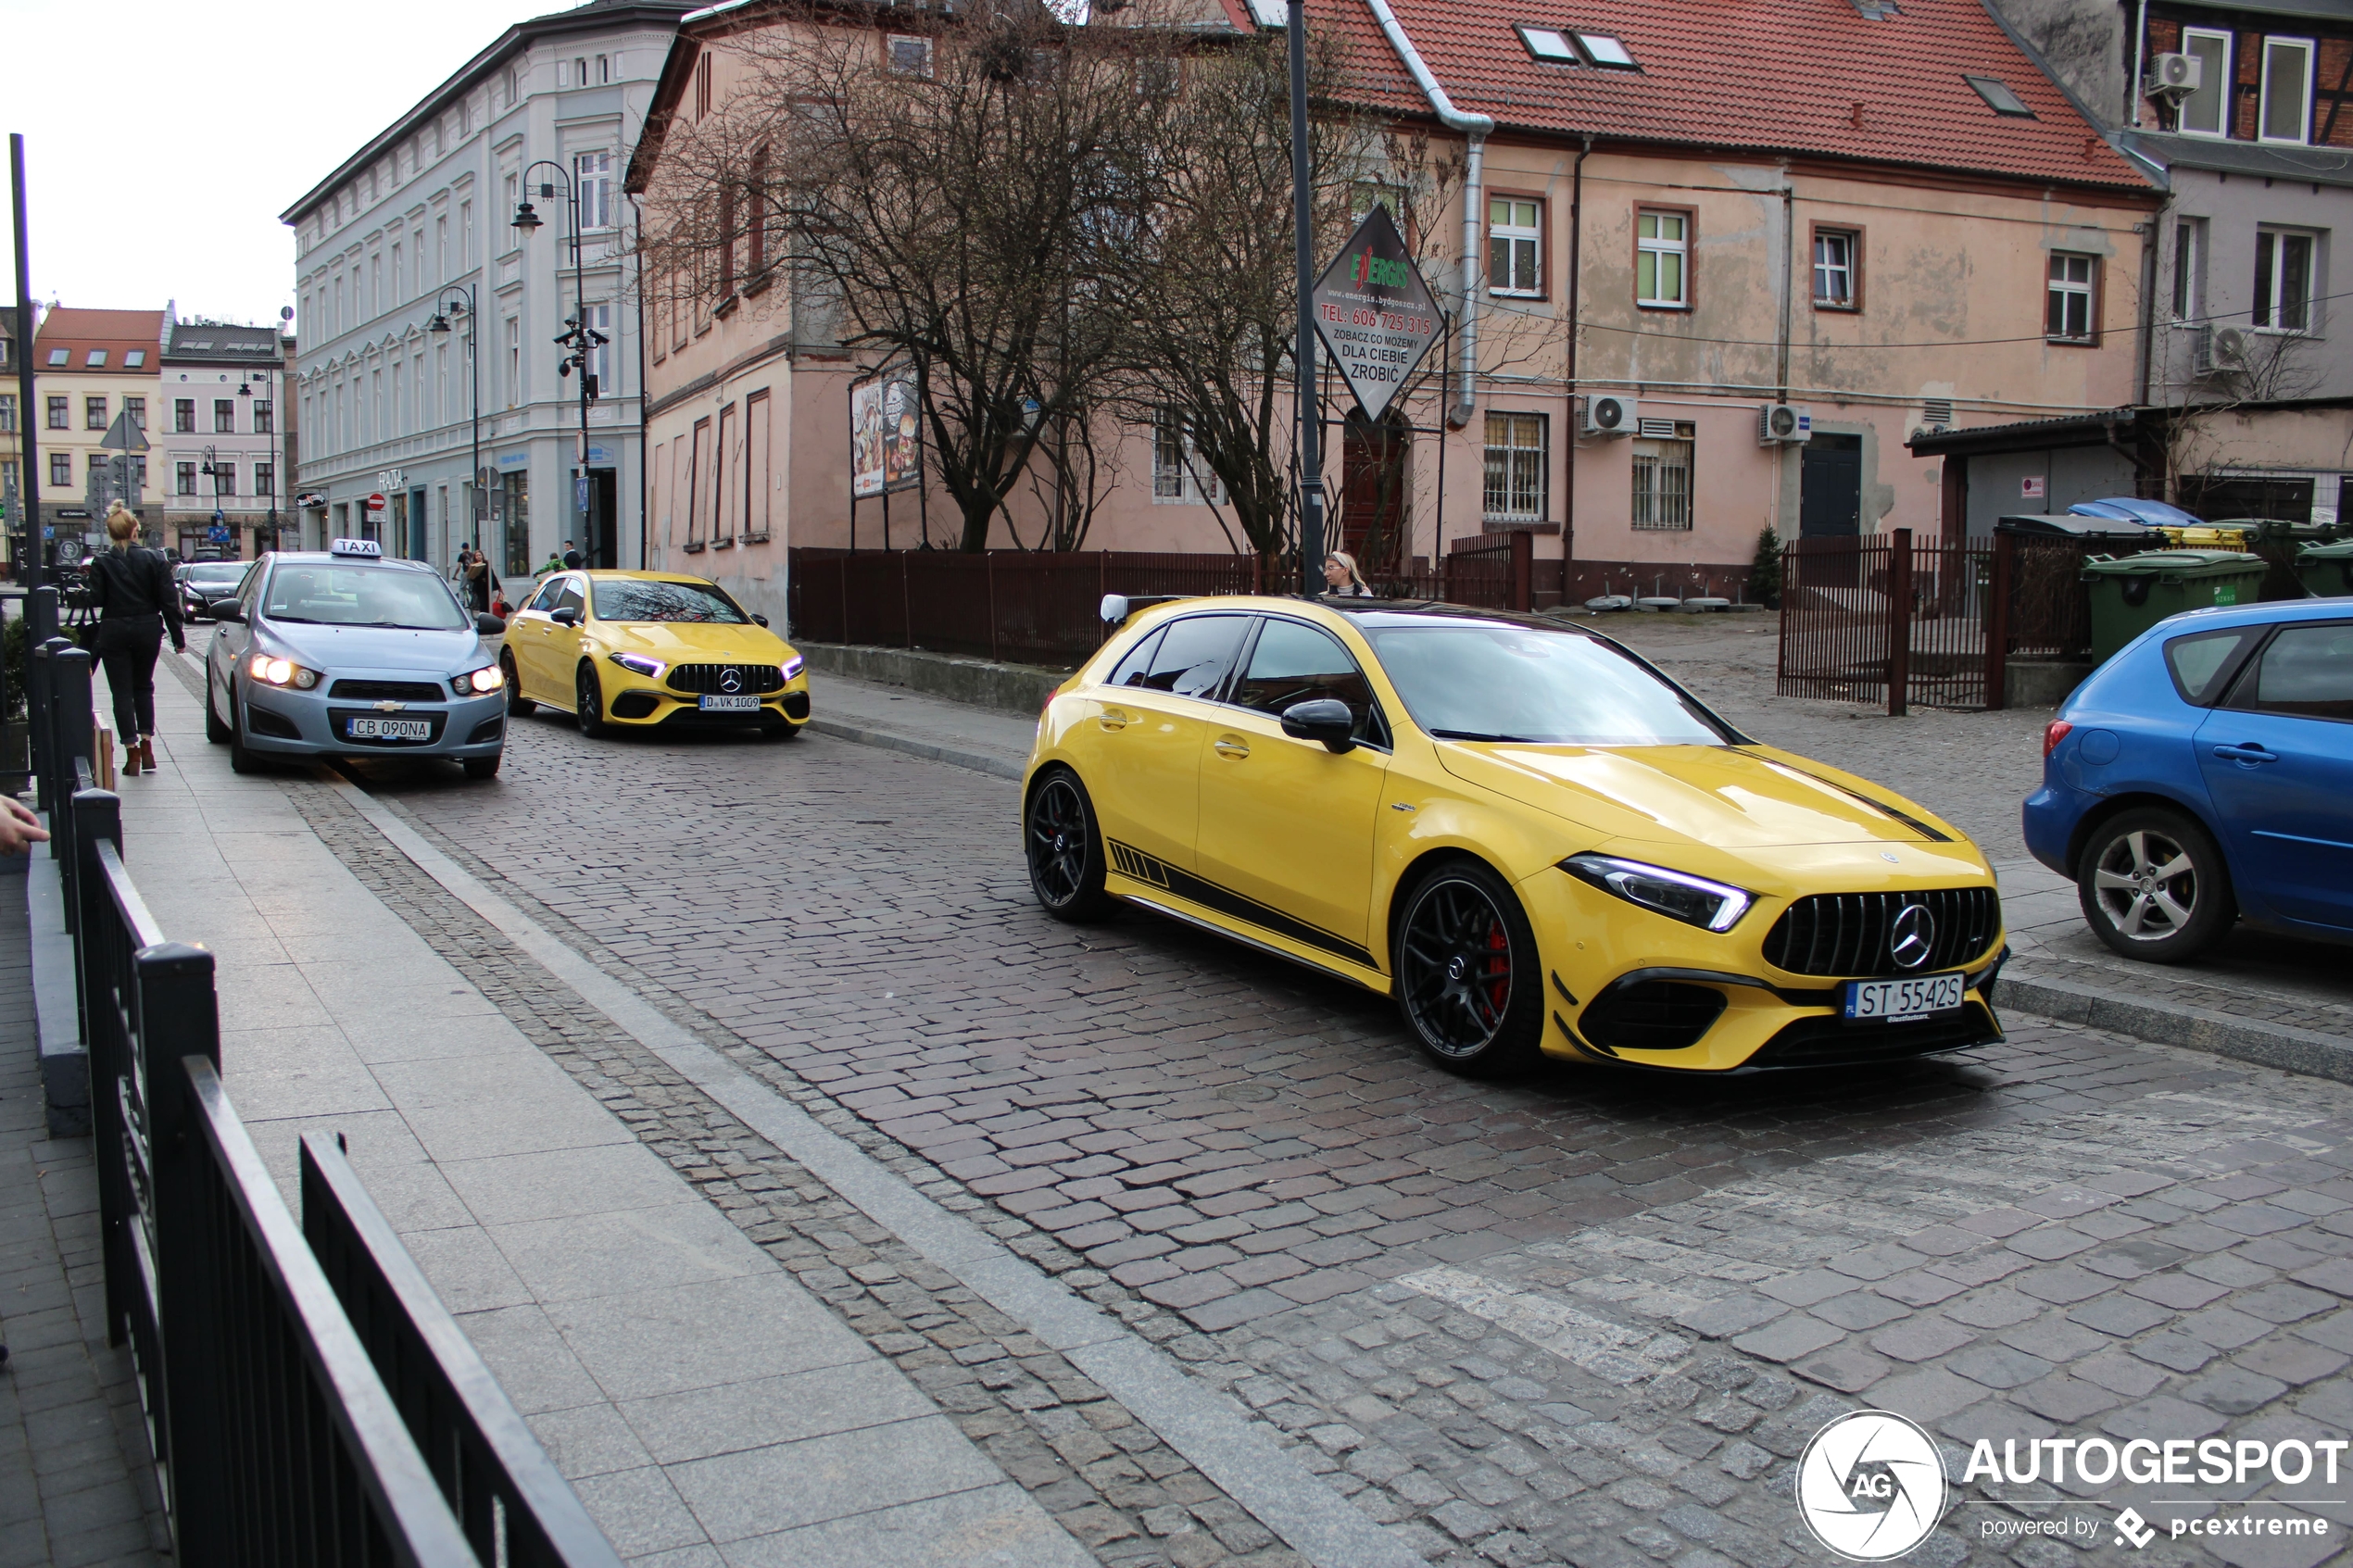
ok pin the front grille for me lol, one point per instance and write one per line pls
(709, 679)
(1846, 933)
(389, 691)
(1652, 1015)
(1833, 1042)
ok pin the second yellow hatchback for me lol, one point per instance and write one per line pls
(651, 649)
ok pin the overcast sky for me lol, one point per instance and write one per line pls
(163, 139)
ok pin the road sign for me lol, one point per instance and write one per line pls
(1374, 313)
(216, 535)
(124, 434)
(376, 502)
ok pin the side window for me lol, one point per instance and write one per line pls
(1131, 670)
(1194, 655)
(544, 600)
(569, 597)
(1295, 663)
(2197, 664)
(2306, 672)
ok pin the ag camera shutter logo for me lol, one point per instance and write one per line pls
(1870, 1485)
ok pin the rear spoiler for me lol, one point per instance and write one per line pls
(1117, 607)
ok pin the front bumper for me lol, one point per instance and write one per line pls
(285, 721)
(1617, 976)
(639, 702)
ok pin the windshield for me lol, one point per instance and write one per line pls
(1472, 680)
(625, 599)
(362, 596)
(216, 571)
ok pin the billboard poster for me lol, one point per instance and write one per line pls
(1374, 313)
(886, 433)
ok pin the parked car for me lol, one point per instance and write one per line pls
(2204, 776)
(205, 583)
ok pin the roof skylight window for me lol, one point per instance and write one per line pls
(60, 356)
(1547, 45)
(1604, 50)
(1998, 96)
(97, 359)
(135, 358)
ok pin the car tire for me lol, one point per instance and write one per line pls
(588, 701)
(518, 705)
(241, 760)
(214, 730)
(781, 730)
(2153, 886)
(484, 766)
(1467, 971)
(1063, 845)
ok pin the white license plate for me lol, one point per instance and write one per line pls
(745, 704)
(1895, 1001)
(391, 729)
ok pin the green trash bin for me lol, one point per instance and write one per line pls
(2326, 570)
(2132, 594)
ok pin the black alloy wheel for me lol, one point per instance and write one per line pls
(2153, 886)
(1467, 971)
(1064, 850)
(588, 704)
(518, 705)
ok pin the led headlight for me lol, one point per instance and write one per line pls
(792, 667)
(638, 664)
(475, 683)
(1677, 895)
(273, 672)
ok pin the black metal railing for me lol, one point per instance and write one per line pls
(308, 1399)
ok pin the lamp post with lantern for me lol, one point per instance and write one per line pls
(478, 507)
(578, 337)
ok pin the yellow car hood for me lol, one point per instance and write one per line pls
(1745, 797)
(689, 642)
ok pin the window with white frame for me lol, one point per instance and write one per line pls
(1178, 477)
(183, 416)
(7, 413)
(2282, 280)
(2067, 317)
(2286, 114)
(224, 416)
(60, 469)
(1517, 465)
(908, 55)
(184, 480)
(265, 479)
(600, 357)
(2189, 267)
(1662, 499)
(594, 171)
(262, 417)
(1662, 258)
(2207, 112)
(1836, 273)
(514, 362)
(93, 413)
(1514, 245)
(224, 478)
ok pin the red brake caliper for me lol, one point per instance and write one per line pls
(1499, 967)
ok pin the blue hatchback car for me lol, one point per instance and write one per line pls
(2204, 775)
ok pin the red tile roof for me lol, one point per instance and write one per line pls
(1805, 77)
(117, 331)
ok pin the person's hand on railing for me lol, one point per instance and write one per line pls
(20, 828)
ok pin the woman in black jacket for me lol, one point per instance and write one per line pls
(130, 588)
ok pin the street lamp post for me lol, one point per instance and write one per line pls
(479, 507)
(212, 470)
(578, 336)
(245, 390)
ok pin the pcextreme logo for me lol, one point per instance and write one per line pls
(1870, 1485)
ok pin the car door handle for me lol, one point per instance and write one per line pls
(1230, 746)
(1114, 719)
(2248, 753)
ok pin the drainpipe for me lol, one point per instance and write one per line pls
(1475, 129)
(1568, 426)
(1788, 271)
(2139, 42)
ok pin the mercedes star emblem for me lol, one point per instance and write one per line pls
(731, 680)
(1911, 936)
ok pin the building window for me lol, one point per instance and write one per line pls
(134, 359)
(93, 413)
(60, 469)
(514, 362)
(96, 360)
(58, 418)
(8, 414)
(2207, 111)
(224, 479)
(593, 170)
(702, 84)
(1838, 269)
(2287, 91)
(1514, 247)
(183, 416)
(909, 57)
(1662, 258)
(2282, 280)
(184, 483)
(2069, 310)
(600, 354)
(1663, 480)
(1179, 478)
(262, 417)
(60, 356)
(466, 229)
(2189, 267)
(265, 480)
(1517, 466)
(137, 408)
(224, 416)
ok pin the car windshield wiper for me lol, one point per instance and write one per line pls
(299, 619)
(1478, 735)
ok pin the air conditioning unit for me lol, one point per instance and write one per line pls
(2228, 350)
(1777, 422)
(2175, 76)
(1608, 414)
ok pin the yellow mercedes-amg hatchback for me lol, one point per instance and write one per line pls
(1520, 830)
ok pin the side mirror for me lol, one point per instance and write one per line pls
(1115, 609)
(760, 621)
(565, 616)
(1326, 719)
(489, 625)
(229, 609)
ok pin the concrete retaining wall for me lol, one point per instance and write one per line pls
(1011, 688)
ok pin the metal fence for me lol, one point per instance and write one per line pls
(307, 1402)
(1886, 619)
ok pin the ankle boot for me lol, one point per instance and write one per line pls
(129, 757)
(146, 754)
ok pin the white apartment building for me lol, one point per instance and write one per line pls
(215, 439)
(415, 230)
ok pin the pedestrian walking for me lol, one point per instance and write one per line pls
(1340, 581)
(573, 557)
(481, 583)
(131, 591)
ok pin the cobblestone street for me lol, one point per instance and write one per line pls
(1568, 1319)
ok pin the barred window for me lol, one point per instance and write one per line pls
(1663, 480)
(1178, 476)
(1517, 467)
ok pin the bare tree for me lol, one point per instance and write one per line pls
(2257, 369)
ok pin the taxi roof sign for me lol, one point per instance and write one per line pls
(366, 549)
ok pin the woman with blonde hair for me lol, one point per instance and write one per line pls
(1340, 578)
(130, 588)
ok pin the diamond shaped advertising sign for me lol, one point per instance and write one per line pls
(1374, 314)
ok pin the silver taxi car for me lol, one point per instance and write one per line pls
(343, 653)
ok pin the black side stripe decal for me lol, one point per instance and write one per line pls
(1134, 864)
